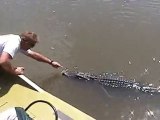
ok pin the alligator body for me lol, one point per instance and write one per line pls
(111, 80)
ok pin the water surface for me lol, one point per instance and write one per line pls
(93, 36)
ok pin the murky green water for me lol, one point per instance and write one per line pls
(93, 35)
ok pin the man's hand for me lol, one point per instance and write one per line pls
(56, 64)
(19, 70)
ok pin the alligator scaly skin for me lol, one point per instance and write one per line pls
(111, 80)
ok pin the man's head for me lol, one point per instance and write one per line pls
(28, 40)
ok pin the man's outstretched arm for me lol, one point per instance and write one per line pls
(41, 58)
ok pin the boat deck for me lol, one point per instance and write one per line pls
(14, 92)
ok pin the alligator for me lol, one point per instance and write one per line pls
(112, 80)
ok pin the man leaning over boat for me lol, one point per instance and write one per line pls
(10, 44)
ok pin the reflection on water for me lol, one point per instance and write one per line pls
(94, 35)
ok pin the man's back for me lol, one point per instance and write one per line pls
(9, 43)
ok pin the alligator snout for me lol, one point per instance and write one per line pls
(64, 72)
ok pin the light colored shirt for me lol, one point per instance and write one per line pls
(10, 43)
(9, 114)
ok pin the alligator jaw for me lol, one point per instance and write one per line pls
(64, 72)
(68, 73)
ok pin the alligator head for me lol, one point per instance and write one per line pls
(76, 75)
